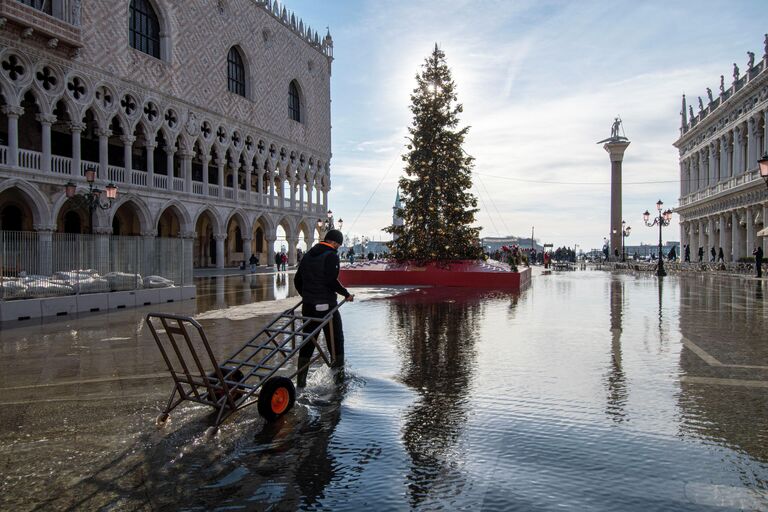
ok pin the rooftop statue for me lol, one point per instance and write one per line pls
(735, 72)
(701, 104)
(709, 95)
(751, 61)
(722, 84)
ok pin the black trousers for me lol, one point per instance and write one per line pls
(759, 267)
(309, 310)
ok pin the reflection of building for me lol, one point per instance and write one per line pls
(212, 118)
(725, 402)
(723, 201)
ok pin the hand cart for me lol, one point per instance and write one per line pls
(257, 373)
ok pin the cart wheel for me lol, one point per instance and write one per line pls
(161, 420)
(276, 398)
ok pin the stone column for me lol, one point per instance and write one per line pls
(704, 168)
(325, 207)
(735, 237)
(751, 144)
(750, 231)
(738, 142)
(616, 154)
(723, 234)
(186, 169)
(103, 152)
(102, 235)
(702, 240)
(711, 229)
(151, 145)
(292, 187)
(187, 256)
(764, 149)
(77, 131)
(169, 152)
(724, 171)
(271, 183)
(765, 225)
(127, 141)
(220, 238)
(149, 267)
(712, 179)
(248, 174)
(728, 238)
(260, 186)
(271, 238)
(13, 113)
(44, 249)
(247, 250)
(220, 164)
(45, 122)
(309, 195)
(292, 242)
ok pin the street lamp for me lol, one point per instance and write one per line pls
(624, 234)
(326, 225)
(662, 220)
(763, 164)
(92, 198)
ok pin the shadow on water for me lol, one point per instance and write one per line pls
(435, 332)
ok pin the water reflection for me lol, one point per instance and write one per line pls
(220, 292)
(615, 380)
(435, 332)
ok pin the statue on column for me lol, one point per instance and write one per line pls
(615, 129)
(751, 61)
(735, 72)
(709, 95)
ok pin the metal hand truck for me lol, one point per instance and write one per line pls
(256, 374)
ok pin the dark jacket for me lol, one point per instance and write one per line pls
(317, 278)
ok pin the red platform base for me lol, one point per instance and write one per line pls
(464, 273)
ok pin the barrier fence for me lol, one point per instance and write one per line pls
(39, 264)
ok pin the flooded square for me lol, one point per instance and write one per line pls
(586, 391)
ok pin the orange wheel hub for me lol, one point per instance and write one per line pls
(280, 400)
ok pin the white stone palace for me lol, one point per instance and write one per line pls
(211, 117)
(723, 200)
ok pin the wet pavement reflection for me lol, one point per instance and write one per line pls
(587, 391)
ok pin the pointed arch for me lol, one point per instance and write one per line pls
(37, 202)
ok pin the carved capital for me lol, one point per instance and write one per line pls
(44, 228)
(102, 230)
(127, 139)
(152, 233)
(101, 132)
(187, 234)
(48, 119)
(220, 236)
(74, 126)
(13, 111)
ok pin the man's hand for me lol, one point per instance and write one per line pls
(351, 297)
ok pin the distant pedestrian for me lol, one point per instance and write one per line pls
(254, 261)
(701, 254)
(672, 256)
(687, 253)
(713, 254)
(758, 253)
(278, 261)
(720, 255)
(283, 260)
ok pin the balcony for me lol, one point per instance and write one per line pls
(729, 185)
(54, 22)
(138, 181)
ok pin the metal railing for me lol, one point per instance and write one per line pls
(37, 265)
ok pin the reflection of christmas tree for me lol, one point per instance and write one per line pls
(438, 209)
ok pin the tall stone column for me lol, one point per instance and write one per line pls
(13, 114)
(724, 158)
(45, 122)
(187, 256)
(220, 239)
(77, 131)
(169, 152)
(271, 238)
(248, 175)
(44, 249)
(206, 162)
(260, 186)
(712, 164)
(220, 165)
(247, 250)
(186, 169)
(702, 237)
(103, 152)
(723, 234)
(301, 195)
(711, 228)
(752, 130)
(750, 231)
(150, 146)
(765, 225)
(128, 141)
(292, 242)
(737, 242)
(615, 151)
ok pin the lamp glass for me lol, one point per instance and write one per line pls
(90, 175)
(659, 204)
(763, 163)
(646, 215)
(69, 190)
(330, 214)
(112, 191)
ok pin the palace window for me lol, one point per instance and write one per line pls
(294, 102)
(41, 5)
(235, 72)
(144, 28)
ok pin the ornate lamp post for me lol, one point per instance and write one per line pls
(326, 225)
(624, 234)
(763, 164)
(662, 220)
(92, 198)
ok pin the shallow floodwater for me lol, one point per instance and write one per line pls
(587, 391)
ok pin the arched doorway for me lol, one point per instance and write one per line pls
(233, 248)
(205, 244)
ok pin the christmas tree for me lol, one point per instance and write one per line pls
(437, 208)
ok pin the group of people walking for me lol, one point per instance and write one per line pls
(718, 256)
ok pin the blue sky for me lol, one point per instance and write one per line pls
(541, 82)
